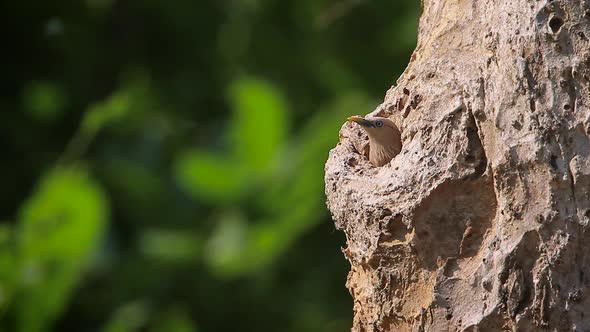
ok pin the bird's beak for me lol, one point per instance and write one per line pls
(361, 121)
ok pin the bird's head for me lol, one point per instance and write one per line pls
(384, 138)
(380, 130)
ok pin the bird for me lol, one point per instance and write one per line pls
(384, 138)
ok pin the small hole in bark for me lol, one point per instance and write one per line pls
(449, 314)
(415, 101)
(517, 125)
(352, 162)
(555, 23)
(566, 107)
(554, 162)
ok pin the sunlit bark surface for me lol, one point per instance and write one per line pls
(481, 222)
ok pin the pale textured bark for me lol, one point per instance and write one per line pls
(481, 222)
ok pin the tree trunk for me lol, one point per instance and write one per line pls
(481, 222)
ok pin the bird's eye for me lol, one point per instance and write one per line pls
(379, 123)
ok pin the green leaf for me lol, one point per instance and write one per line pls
(174, 320)
(267, 242)
(128, 318)
(259, 122)
(125, 108)
(225, 249)
(44, 100)
(173, 246)
(209, 177)
(134, 98)
(101, 114)
(60, 226)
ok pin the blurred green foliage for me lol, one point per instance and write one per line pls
(59, 227)
(163, 161)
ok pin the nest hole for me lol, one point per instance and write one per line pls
(555, 24)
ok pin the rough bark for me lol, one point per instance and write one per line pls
(481, 222)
